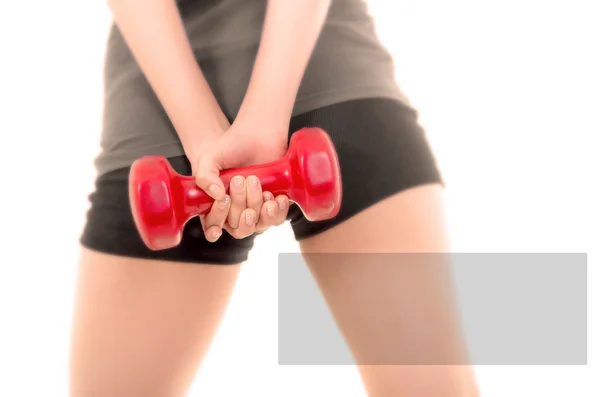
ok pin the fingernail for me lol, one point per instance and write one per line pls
(224, 203)
(216, 235)
(281, 204)
(253, 181)
(249, 219)
(238, 182)
(271, 209)
(267, 196)
(215, 191)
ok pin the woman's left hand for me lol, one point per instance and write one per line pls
(251, 210)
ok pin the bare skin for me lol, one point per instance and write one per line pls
(142, 327)
(373, 293)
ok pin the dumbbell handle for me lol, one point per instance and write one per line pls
(274, 177)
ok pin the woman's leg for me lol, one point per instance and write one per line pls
(385, 276)
(395, 311)
(144, 319)
(142, 326)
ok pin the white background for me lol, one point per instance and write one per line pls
(508, 92)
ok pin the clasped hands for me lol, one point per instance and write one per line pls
(247, 209)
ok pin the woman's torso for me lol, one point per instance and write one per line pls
(348, 62)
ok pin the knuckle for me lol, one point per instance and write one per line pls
(238, 198)
(239, 234)
(202, 180)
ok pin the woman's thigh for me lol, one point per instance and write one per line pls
(382, 263)
(144, 319)
(392, 297)
(141, 327)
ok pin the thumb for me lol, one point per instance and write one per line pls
(208, 167)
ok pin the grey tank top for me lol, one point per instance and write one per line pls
(348, 62)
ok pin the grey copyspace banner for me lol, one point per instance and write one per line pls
(414, 309)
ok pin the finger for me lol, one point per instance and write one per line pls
(254, 196)
(213, 221)
(261, 227)
(283, 206)
(268, 196)
(237, 191)
(268, 216)
(214, 229)
(207, 177)
(247, 225)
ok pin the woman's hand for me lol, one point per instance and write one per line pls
(247, 209)
(155, 33)
(259, 133)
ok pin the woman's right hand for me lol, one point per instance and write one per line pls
(247, 209)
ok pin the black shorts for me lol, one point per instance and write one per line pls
(382, 151)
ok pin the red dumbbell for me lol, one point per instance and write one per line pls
(162, 201)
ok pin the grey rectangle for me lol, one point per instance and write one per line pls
(513, 309)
